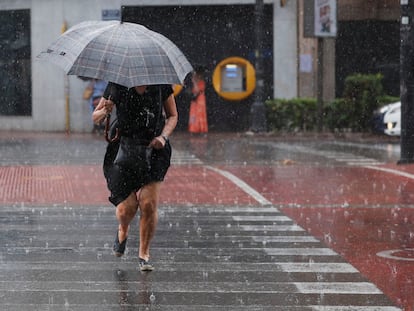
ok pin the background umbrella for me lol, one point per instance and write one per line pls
(125, 53)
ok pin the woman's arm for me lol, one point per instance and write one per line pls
(170, 108)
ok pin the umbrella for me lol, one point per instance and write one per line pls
(124, 53)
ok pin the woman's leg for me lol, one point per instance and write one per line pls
(125, 212)
(148, 202)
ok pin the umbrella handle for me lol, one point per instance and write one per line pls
(107, 128)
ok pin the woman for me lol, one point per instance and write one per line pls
(146, 116)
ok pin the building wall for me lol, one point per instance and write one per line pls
(52, 89)
(368, 9)
(57, 103)
(285, 38)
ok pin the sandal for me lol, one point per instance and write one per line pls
(119, 248)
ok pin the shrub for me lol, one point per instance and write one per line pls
(361, 95)
(291, 114)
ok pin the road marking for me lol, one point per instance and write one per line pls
(300, 251)
(354, 308)
(390, 170)
(270, 228)
(317, 267)
(347, 158)
(261, 218)
(391, 254)
(337, 288)
(242, 185)
(285, 238)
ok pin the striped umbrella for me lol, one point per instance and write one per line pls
(124, 53)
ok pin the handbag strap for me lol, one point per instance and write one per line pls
(158, 128)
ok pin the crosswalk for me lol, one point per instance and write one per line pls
(206, 258)
(345, 158)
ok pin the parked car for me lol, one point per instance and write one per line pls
(378, 125)
(392, 119)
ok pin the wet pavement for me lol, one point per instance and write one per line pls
(246, 223)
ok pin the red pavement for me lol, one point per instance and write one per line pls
(361, 212)
(85, 185)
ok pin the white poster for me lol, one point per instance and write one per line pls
(325, 18)
(305, 64)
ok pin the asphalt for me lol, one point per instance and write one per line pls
(246, 222)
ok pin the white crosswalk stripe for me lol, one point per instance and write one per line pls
(346, 158)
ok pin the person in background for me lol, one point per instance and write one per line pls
(197, 123)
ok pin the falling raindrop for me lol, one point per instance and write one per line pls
(205, 275)
(379, 232)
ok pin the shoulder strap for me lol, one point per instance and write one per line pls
(158, 127)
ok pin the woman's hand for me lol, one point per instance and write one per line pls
(108, 105)
(104, 108)
(158, 142)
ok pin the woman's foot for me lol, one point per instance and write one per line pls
(145, 265)
(119, 248)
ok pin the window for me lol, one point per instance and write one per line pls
(15, 63)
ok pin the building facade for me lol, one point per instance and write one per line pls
(38, 96)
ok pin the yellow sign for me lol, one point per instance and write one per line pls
(234, 78)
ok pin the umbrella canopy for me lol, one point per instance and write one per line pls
(125, 53)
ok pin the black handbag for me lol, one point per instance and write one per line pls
(134, 154)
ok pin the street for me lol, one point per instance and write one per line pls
(246, 223)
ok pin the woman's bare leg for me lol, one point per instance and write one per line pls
(148, 202)
(125, 212)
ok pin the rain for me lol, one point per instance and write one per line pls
(298, 196)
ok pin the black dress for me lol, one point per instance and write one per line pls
(139, 118)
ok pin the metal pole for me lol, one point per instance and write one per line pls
(257, 110)
(407, 81)
(67, 100)
(320, 85)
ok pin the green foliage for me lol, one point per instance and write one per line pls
(291, 114)
(362, 95)
(387, 99)
(338, 115)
